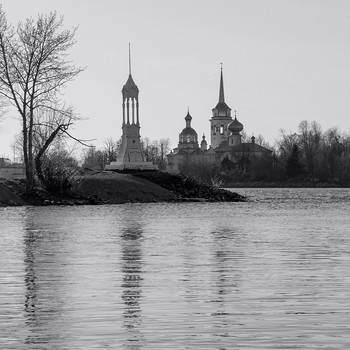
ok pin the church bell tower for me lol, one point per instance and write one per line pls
(221, 118)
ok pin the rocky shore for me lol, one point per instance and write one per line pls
(186, 189)
(118, 188)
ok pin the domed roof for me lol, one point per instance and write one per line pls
(188, 131)
(235, 126)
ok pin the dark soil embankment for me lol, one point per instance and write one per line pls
(120, 187)
(9, 196)
(113, 188)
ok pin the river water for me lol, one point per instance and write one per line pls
(271, 273)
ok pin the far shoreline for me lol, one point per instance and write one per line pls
(258, 184)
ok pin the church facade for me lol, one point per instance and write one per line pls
(226, 150)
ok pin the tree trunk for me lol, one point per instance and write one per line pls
(38, 163)
(39, 170)
(28, 165)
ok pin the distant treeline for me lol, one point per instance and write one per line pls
(313, 155)
(309, 156)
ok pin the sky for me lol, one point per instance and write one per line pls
(284, 61)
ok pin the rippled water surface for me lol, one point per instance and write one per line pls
(272, 273)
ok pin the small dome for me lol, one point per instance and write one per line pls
(188, 136)
(188, 116)
(235, 126)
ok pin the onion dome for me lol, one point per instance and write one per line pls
(188, 117)
(204, 143)
(235, 126)
(188, 134)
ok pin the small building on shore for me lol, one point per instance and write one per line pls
(226, 150)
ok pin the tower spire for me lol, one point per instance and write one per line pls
(129, 61)
(221, 93)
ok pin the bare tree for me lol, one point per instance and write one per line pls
(94, 159)
(165, 147)
(285, 143)
(310, 135)
(33, 70)
(156, 150)
(59, 168)
(53, 127)
(111, 149)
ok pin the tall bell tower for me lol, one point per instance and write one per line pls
(221, 118)
(130, 155)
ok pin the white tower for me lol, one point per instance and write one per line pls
(130, 155)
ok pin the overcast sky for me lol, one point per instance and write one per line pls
(284, 61)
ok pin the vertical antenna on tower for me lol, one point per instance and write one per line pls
(129, 60)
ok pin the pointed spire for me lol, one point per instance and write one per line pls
(130, 89)
(222, 110)
(221, 93)
(129, 61)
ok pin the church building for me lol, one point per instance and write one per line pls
(226, 150)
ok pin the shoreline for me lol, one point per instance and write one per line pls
(138, 187)
(258, 184)
(119, 188)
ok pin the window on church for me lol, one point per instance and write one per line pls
(221, 129)
(188, 138)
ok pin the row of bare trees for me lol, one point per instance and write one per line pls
(323, 156)
(153, 151)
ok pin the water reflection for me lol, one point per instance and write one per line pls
(30, 278)
(132, 282)
(176, 276)
(226, 262)
(43, 295)
(226, 271)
